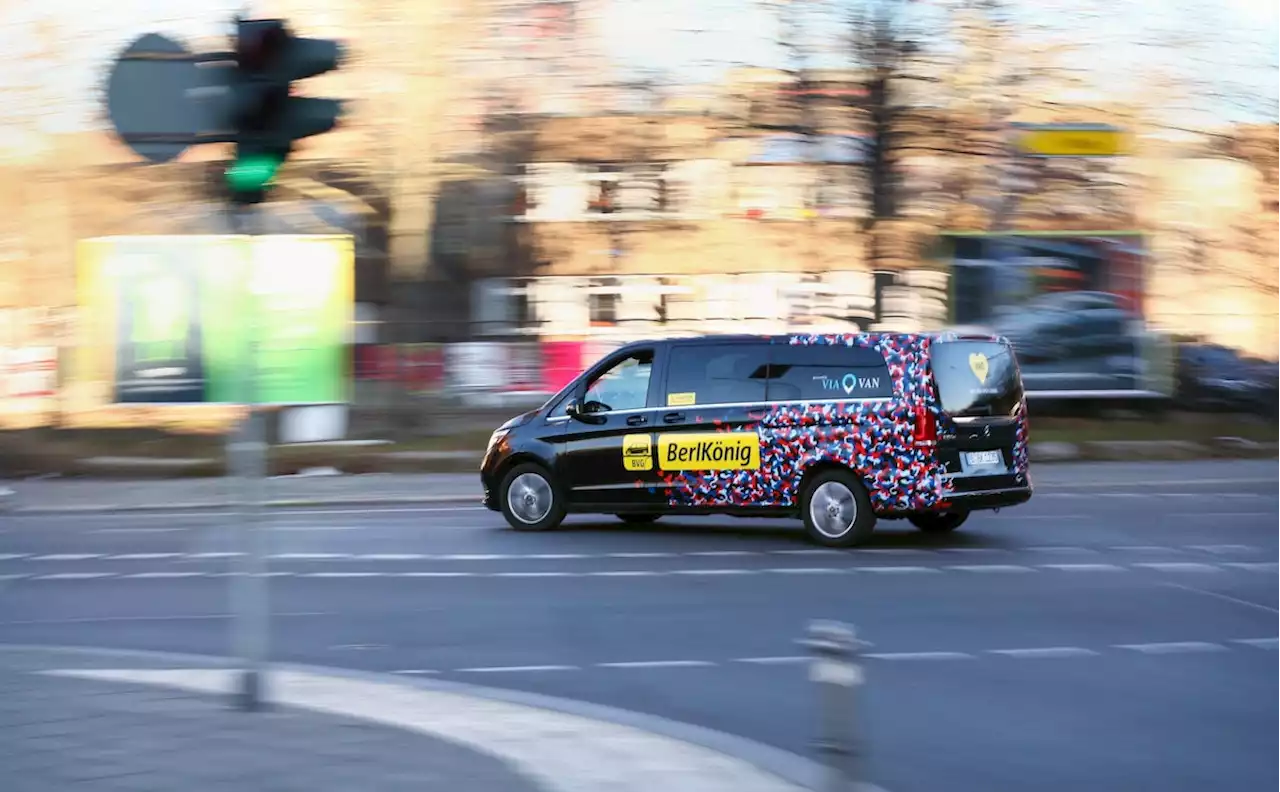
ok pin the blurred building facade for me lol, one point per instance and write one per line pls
(501, 180)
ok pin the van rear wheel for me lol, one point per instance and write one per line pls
(837, 511)
(939, 523)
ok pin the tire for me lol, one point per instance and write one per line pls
(538, 503)
(638, 519)
(836, 509)
(939, 523)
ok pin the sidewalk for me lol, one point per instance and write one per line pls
(83, 720)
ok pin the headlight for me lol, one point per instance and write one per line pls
(494, 439)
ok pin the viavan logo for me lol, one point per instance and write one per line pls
(848, 384)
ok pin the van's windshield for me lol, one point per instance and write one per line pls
(976, 378)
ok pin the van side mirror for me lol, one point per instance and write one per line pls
(578, 411)
(573, 409)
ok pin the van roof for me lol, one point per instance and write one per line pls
(941, 335)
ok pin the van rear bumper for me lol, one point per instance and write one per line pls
(980, 500)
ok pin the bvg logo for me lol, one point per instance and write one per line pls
(637, 452)
(709, 451)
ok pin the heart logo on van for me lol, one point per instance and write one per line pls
(980, 367)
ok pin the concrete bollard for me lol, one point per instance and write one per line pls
(836, 671)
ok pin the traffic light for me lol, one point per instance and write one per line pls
(266, 118)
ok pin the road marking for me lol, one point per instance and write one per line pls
(713, 571)
(658, 664)
(215, 555)
(66, 557)
(779, 660)
(1144, 549)
(13, 577)
(436, 574)
(807, 551)
(342, 574)
(1170, 566)
(73, 576)
(622, 573)
(1057, 549)
(971, 550)
(12, 556)
(415, 671)
(1224, 597)
(1261, 643)
(391, 557)
(887, 551)
(1221, 549)
(534, 574)
(1045, 652)
(476, 557)
(919, 656)
(1004, 568)
(160, 575)
(555, 556)
(518, 669)
(723, 553)
(1269, 566)
(141, 556)
(181, 617)
(137, 530)
(308, 556)
(804, 570)
(895, 570)
(1083, 567)
(308, 528)
(1174, 647)
(640, 555)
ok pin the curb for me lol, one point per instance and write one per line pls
(784, 765)
(473, 501)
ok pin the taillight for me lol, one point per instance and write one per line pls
(924, 431)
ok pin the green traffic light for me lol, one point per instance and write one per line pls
(253, 172)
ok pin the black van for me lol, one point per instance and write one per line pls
(837, 429)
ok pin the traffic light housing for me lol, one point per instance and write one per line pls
(266, 118)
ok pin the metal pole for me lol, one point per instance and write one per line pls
(836, 671)
(250, 625)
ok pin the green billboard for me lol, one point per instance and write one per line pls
(215, 319)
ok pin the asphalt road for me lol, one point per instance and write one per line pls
(1107, 639)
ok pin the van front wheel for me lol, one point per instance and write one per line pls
(837, 511)
(529, 499)
(939, 523)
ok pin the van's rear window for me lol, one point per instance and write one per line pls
(976, 377)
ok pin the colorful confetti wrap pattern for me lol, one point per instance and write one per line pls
(874, 438)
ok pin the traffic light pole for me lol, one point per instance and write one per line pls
(249, 586)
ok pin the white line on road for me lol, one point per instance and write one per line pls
(1219, 549)
(1224, 597)
(12, 556)
(807, 551)
(779, 660)
(343, 574)
(971, 550)
(1057, 549)
(887, 551)
(1004, 568)
(623, 573)
(437, 574)
(919, 656)
(181, 617)
(804, 570)
(141, 556)
(518, 669)
(1261, 643)
(1252, 567)
(1144, 549)
(215, 555)
(722, 553)
(308, 556)
(476, 557)
(66, 557)
(1174, 647)
(73, 576)
(713, 571)
(640, 555)
(161, 575)
(1170, 566)
(415, 671)
(1083, 567)
(1045, 652)
(657, 664)
(391, 557)
(535, 574)
(896, 570)
(555, 556)
(136, 530)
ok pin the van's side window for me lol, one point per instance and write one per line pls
(822, 373)
(624, 386)
(716, 374)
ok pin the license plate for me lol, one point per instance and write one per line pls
(982, 458)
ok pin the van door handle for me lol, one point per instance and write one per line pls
(673, 418)
(636, 420)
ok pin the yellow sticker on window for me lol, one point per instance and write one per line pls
(709, 451)
(681, 399)
(637, 452)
